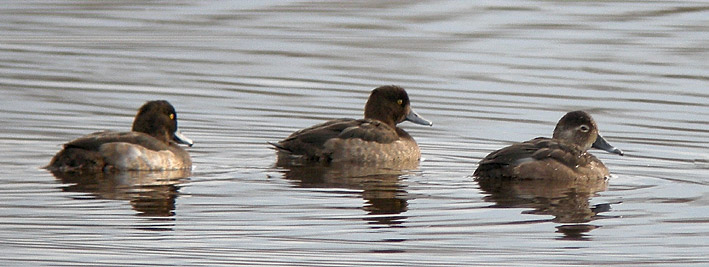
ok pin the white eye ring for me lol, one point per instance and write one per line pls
(584, 128)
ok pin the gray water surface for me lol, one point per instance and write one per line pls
(241, 73)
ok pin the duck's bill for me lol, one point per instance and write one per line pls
(601, 143)
(181, 139)
(415, 118)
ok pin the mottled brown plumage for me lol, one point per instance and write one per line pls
(372, 139)
(149, 146)
(563, 156)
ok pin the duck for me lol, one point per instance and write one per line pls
(372, 139)
(562, 157)
(152, 144)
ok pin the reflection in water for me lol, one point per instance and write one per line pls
(567, 201)
(150, 193)
(385, 198)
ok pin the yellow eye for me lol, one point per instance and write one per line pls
(400, 101)
(172, 116)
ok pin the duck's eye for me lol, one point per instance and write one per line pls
(172, 116)
(400, 101)
(584, 128)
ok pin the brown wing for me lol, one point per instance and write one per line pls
(82, 154)
(507, 156)
(93, 141)
(567, 154)
(497, 163)
(310, 141)
(370, 130)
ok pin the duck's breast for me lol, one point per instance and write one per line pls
(359, 150)
(552, 168)
(126, 156)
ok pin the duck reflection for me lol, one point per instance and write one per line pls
(150, 193)
(566, 200)
(385, 198)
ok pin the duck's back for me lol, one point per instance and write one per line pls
(102, 151)
(541, 158)
(350, 140)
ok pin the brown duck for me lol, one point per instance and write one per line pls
(375, 138)
(150, 145)
(562, 157)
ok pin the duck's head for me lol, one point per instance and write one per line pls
(390, 104)
(159, 119)
(579, 128)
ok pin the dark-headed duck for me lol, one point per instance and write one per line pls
(151, 145)
(372, 139)
(564, 156)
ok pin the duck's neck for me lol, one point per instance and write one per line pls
(383, 115)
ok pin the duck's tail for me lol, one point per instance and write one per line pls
(279, 147)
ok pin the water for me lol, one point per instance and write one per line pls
(242, 73)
